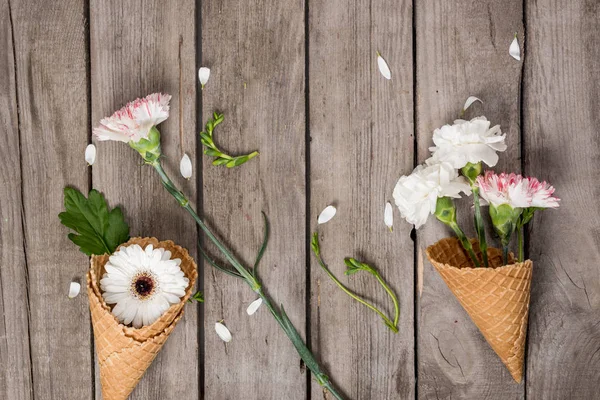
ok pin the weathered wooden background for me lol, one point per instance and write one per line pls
(297, 79)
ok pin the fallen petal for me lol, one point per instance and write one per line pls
(326, 214)
(203, 75)
(388, 216)
(90, 154)
(223, 332)
(383, 67)
(514, 49)
(74, 289)
(471, 100)
(185, 166)
(253, 307)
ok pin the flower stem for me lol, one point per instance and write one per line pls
(465, 243)
(479, 228)
(392, 296)
(520, 239)
(393, 326)
(253, 282)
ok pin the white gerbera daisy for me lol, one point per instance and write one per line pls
(142, 283)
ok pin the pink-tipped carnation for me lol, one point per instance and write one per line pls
(541, 194)
(501, 189)
(134, 121)
(516, 191)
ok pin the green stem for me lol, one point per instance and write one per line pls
(465, 242)
(253, 282)
(392, 295)
(387, 321)
(504, 254)
(520, 239)
(479, 227)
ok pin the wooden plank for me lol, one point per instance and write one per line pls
(462, 50)
(255, 50)
(361, 128)
(15, 374)
(51, 67)
(561, 145)
(135, 51)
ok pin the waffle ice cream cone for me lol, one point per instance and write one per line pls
(496, 298)
(124, 353)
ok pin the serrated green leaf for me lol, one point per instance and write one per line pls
(99, 230)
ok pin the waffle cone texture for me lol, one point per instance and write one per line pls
(496, 298)
(124, 353)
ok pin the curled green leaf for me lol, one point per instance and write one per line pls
(211, 149)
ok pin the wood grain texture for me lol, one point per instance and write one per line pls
(52, 100)
(462, 50)
(361, 128)
(561, 145)
(135, 51)
(15, 374)
(255, 50)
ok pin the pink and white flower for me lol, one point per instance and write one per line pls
(501, 189)
(416, 194)
(541, 194)
(134, 121)
(467, 142)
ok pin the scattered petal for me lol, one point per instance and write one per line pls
(253, 307)
(326, 214)
(223, 332)
(74, 289)
(383, 67)
(185, 166)
(90, 154)
(388, 216)
(470, 100)
(515, 50)
(203, 75)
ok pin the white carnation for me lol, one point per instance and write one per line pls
(468, 142)
(416, 194)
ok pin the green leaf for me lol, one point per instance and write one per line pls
(198, 296)
(99, 230)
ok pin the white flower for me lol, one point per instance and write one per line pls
(203, 75)
(416, 194)
(90, 154)
(502, 189)
(253, 307)
(223, 332)
(134, 121)
(74, 289)
(468, 142)
(142, 283)
(383, 67)
(185, 166)
(326, 214)
(388, 216)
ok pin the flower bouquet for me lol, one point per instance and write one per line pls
(491, 285)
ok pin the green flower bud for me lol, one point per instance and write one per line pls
(149, 148)
(445, 210)
(472, 171)
(505, 220)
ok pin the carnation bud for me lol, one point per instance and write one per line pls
(505, 220)
(472, 171)
(445, 210)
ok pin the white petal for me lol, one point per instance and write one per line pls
(90, 154)
(388, 216)
(515, 50)
(203, 75)
(326, 214)
(471, 100)
(383, 67)
(223, 332)
(74, 289)
(254, 306)
(185, 166)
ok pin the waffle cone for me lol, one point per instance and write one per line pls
(496, 298)
(124, 353)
